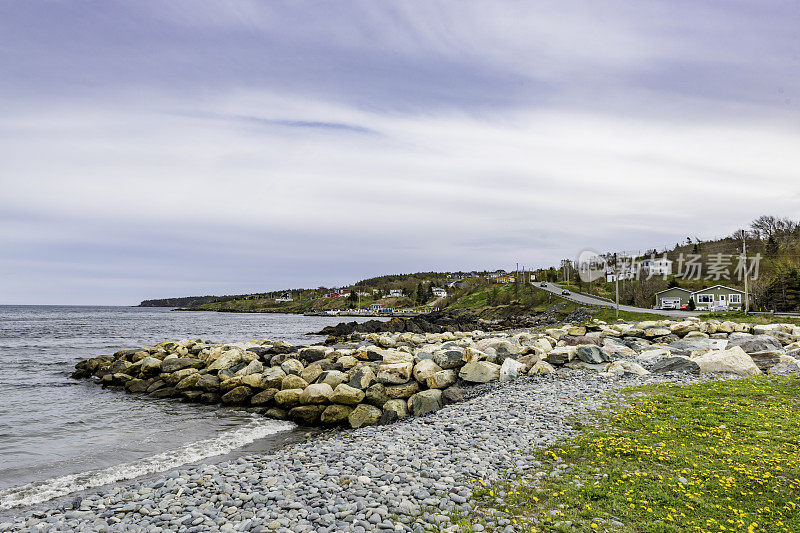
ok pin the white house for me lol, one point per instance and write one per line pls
(656, 266)
(439, 292)
(285, 297)
(395, 293)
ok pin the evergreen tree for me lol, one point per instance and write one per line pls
(771, 249)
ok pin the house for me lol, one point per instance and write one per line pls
(439, 292)
(718, 297)
(395, 293)
(673, 298)
(285, 297)
(505, 279)
(656, 266)
(496, 274)
(456, 284)
(375, 308)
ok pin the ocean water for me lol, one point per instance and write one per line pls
(59, 436)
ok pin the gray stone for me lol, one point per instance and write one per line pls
(425, 402)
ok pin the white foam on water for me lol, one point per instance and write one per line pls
(42, 491)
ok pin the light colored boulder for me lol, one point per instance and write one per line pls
(311, 372)
(253, 367)
(442, 379)
(733, 360)
(425, 369)
(364, 415)
(395, 373)
(480, 372)
(541, 367)
(398, 406)
(226, 359)
(347, 395)
(292, 366)
(510, 369)
(288, 397)
(425, 402)
(316, 394)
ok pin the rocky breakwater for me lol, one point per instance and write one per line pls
(691, 345)
(388, 376)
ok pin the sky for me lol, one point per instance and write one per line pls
(156, 149)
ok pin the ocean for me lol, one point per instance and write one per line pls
(60, 436)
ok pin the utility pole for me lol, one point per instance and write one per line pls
(616, 282)
(744, 269)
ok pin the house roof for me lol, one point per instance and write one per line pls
(673, 288)
(715, 286)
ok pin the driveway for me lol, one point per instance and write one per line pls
(599, 302)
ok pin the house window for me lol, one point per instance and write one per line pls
(735, 298)
(705, 298)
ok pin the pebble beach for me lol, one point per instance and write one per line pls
(413, 475)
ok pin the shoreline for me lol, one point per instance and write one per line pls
(419, 470)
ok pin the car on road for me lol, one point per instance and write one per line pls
(565, 292)
(543, 284)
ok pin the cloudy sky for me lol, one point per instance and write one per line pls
(153, 149)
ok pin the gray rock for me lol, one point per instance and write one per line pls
(364, 415)
(676, 364)
(591, 354)
(425, 402)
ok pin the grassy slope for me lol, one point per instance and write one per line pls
(721, 456)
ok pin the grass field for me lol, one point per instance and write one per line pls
(721, 456)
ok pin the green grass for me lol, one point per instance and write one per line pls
(720, 456)
(751, 319)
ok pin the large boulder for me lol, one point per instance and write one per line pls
(292, 366)
(560, 355)
(480, 372)
(312, 354)
(402, 391)
(288, 398)
(363, 378)
(453, 394)
(425, 402)
(425, 369)
(510, 369)
(591, 354)
(787, 365)
(347, 395)
(332, 377)
(364, 415)
(335, 414)
(239, 395)
(376, 395)
(442, 379)
(208, 383)
(225, 360)
(265, 397)
(733, 360)
(137, 385)
(272, 377)
(293, 381)
(541, 367)
(448, 358)
(189, 382)
(169, 366)
(317, 393)
(687, 345)
(306, 415)
(569, 340)
(756, 343)
(400, 407)
(253, 367)
(676, 364)
(150, 366)
(395, 373)
(311, 372)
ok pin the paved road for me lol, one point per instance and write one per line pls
(591, 300)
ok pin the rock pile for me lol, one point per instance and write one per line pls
(387, 376)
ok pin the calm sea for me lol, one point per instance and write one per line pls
(59, 435)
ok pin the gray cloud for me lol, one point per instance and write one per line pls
(158, 149)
